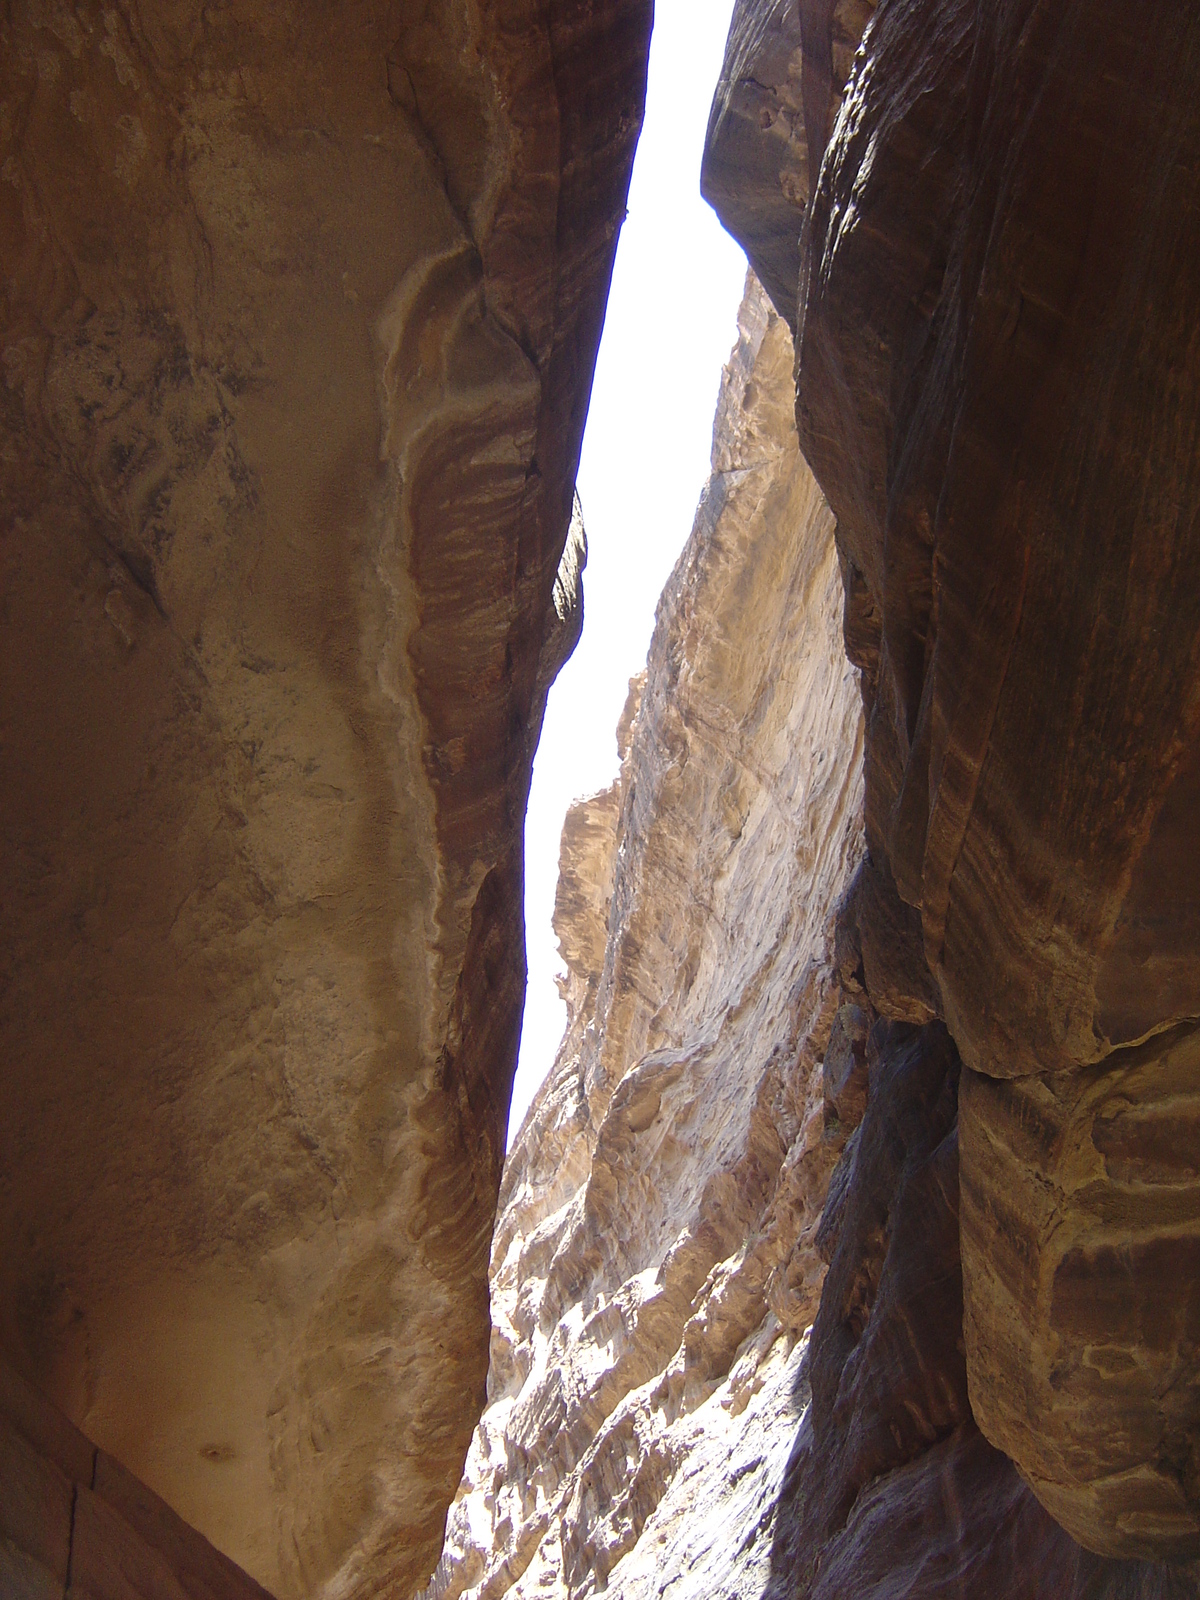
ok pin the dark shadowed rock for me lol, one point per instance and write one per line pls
(998, 369)
(786, 64)
(892, 1492)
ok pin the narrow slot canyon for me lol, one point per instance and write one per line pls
(851, 1244)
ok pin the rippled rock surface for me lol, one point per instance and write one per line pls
(655, 1266)
(998, 388)
(299, 311)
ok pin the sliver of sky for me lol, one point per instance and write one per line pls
(670, 325)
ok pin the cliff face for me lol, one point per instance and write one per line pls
(299, 310)
(654, 1263)
(998, 389)
(785, 71)
(989, 281)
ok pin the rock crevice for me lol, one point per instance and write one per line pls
(653, 1267)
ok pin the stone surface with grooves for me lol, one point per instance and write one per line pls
(998, 370)
(300, 306)
(654, 1265)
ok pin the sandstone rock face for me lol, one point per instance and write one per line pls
(976, 752)
(1080, 1239)
(74, 1522)
(785, 69)
(891, 1490)
(299, 310)
(999, 391)
(654, 1265)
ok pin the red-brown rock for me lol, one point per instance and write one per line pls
(785, 68)
(999, 390)
(892, 1492)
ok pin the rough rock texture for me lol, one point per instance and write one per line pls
(75, 1523)
(891, 1490)
(298, 310)
(1081, 1195)
(998, 377)
(785, 70)
(999, 389)
(654, 1264)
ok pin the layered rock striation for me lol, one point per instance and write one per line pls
(998, 390)
(299, 311)
(654, 1266)
(785, 70)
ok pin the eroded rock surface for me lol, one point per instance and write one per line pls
(654, 1265)
(299, 310)
(891, 1489)
(989, 280)
(785, 70)
(999, 390)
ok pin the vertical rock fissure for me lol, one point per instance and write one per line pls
(71, 1535)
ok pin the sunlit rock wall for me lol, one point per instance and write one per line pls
(654, 1266)
(298, 310)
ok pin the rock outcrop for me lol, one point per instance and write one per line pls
(999, 391)
(785, 70)
(654, 1266)
(298, 314)
(1002, 249)
(891, 1489)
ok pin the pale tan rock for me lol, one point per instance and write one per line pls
(654, 1261)
(299, 310)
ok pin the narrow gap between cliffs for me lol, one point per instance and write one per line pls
(670, 323)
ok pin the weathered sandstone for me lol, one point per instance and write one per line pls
(972, 349)
(785, 70)
(999, 391)
(654, 1264)
(298, 310)
(891, 1490)
(1081, 1238)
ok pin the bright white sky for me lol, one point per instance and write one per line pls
(670, 326)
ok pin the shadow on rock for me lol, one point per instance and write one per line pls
(891, 1490)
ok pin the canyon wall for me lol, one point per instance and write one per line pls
(998, 389)
(298, 311)
(654, 1266)
(983, 230)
